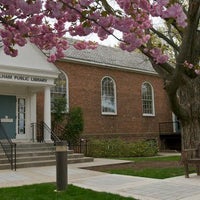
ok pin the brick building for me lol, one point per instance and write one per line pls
(119, 92)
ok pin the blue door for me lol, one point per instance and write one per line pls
(8, 114)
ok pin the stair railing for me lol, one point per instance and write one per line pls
(54, 137)
(39, 129)
(8, 147)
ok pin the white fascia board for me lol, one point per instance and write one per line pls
(28, 71)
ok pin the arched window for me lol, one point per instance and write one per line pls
(147, 100)
(108, 96)
(59, 93)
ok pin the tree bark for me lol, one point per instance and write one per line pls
(189, 98)
(190, 133)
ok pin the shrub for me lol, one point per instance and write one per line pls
(74, 126)
(118, 148)
(59, 110)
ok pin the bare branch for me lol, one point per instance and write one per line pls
(162, 36)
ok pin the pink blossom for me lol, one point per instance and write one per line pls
(52, 58)
(45, 23)
(10, 51)
(85, 3)
(197, 71)
(176, 11)
(144, 4)
(158, 56)
(80, 45)
(163, 2)
(188, 65)
(124, 4)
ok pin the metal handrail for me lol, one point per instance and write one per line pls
(168, 127)
(9, 147)
(54, 137)
(41, 128)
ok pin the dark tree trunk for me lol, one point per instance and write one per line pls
(189, 98)
(190, 133)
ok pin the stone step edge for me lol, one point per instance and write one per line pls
(8, 167)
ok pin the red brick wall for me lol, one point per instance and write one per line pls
(85, 91)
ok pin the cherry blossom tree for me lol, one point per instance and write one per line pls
(46, 22)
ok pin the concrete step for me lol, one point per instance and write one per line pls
(80, 160)
(43, 163)
(28, 145)
(39, 154)
(41, 158)
(4, 166)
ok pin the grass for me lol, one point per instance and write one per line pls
(156, 158)
(47, 192)
(159, 173)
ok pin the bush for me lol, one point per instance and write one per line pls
(118, 148)
(74, 126)
(59, 110)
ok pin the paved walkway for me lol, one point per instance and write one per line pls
(178, 188)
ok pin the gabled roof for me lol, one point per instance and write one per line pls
(110, 57)
(30, 59)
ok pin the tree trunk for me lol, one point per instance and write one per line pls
(188, 96)
(190, 131)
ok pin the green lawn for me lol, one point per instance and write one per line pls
(47, 192)
(156, 158)
(159, 173)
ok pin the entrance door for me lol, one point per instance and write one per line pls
(8, 114)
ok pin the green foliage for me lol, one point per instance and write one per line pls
(47, 191)
(59, 109)
(74, 126)
(119, 148)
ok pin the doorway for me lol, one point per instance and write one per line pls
(8, 114)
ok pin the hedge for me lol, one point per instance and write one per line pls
(118, 148)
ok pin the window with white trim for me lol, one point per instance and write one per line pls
(147, 99)
(21, 115)
(108, 96)
(59, 93)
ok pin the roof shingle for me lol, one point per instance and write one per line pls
(111, 57)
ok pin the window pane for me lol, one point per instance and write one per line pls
(147, 99)
(21, 116)
(59, 91)
(108, 101)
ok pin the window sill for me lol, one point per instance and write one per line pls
(109, 114)
(148, 115)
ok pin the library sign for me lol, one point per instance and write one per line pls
(22, 78)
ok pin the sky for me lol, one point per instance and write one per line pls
(111, 41)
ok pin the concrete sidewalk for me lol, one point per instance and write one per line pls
(178, 188)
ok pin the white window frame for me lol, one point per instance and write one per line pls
(18, 116)
(67, 92)
(115, 97)
(152, 100)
